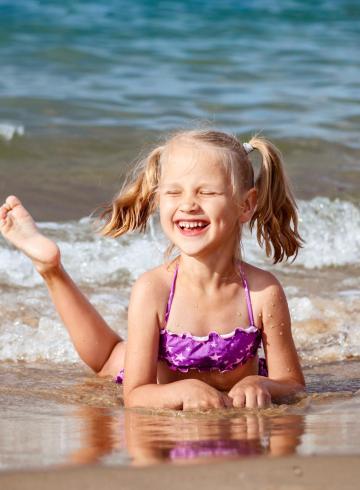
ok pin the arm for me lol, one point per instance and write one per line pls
(93, 339)
(140, 382)
(285, 375)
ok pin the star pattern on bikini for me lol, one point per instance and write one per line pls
(180, 357)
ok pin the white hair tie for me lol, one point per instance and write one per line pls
(248, 148)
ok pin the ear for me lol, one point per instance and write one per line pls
(247, 205)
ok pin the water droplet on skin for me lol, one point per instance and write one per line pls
(270, 316)
(282, 324)
(288, 370)
(280, 333)
(272, 304)
(260, 315)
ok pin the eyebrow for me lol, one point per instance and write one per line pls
(201, 184)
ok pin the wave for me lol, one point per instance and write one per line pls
(331, 230)
(324, 329)
(9, 131)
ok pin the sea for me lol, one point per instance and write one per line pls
(86, 90)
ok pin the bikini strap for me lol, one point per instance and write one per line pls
(248, 298)
(171, 295)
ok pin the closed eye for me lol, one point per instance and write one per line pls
(209, 193)
(172, 193)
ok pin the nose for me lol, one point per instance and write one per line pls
(188, 204)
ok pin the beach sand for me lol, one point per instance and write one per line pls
(291, 473)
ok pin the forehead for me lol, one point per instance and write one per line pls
(185, 159)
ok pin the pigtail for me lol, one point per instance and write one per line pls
(132, 207)
(276, 211)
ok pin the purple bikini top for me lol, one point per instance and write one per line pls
(220, 352)
(214, 352)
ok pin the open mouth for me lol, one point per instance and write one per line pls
(192, 227)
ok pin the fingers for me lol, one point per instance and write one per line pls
(218, 400)
(264, 399)
(251, 398)
(239, 400)
(227, 401)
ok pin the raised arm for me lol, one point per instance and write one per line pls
(96, 343)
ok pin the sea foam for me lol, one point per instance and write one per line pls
(325, 324)
(8, 131)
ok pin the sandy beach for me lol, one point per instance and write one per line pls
(292, 473)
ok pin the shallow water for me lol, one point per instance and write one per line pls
(63, 415)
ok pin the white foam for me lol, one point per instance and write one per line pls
(30, 329)
(326, 329)
(8, 131)
(331, 230)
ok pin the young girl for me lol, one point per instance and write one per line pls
(196, 322)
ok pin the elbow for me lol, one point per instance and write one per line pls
(130, 399)
(298, 386)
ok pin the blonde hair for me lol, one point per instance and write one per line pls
(275, 214)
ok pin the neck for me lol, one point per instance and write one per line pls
(208, 271)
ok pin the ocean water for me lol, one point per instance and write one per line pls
(87, 88)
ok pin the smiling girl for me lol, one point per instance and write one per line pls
(196, 322)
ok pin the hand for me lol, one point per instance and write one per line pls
(199, 395)
(250, 392)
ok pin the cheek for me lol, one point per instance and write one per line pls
(226, 213)
(166, 212)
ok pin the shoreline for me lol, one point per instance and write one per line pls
(265, 473)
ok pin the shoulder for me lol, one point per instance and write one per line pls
(153, 286)
(268, 299)
(265, 288)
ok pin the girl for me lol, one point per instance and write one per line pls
(182, 350)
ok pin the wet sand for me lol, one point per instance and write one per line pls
(331, 472)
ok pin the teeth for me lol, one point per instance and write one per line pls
(192, 224)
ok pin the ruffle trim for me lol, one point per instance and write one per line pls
(232, 366)
(211, 335)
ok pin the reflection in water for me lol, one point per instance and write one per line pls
(150, 437)
(198, 437)
(56, 415)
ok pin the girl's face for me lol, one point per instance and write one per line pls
(198, 211)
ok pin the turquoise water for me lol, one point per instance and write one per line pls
(288, 68)
(85, 87)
